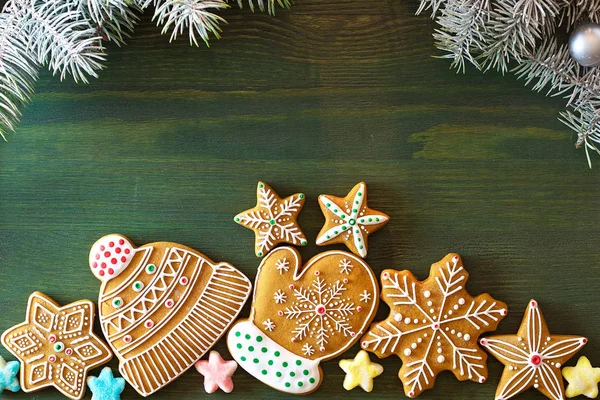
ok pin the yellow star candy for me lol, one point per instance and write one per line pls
(582, 378)
(360, 372)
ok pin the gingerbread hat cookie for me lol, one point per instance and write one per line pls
(56, 345)
(533, 357)
(303, 315)
(273, 219)
(434, 325)
(349, 220)
(162, 306)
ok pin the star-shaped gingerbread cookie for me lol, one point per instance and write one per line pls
(56, 345)
(349, 220)
(273, 219)
(533, 357)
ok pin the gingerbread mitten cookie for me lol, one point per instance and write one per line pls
(56, 345)
(303, 315)
(349, 220)
(162, 306)
(433, 325)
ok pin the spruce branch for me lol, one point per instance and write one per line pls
(271, 5)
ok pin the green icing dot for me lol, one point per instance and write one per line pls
(264, 371)
(358, 239)
(239, 346)
(328, 237)
(303, 243)
(354, 210)
(362, 220)
(298, 362)
(344, 228)
(343, 216)
(278, 374)
(264, 350)
(259, 253)
(312, 380)
(305, 372)
(360, 247)
(285, 364)
(243, 358)
(238, 334)
(336, 232)
(237, 219)
(377, 219)
(247, 336)
(328, 204)
(255, 361)
(270, 362)
(250, 348)
(370, 219)
(259, 339)
(359, 194)
(292, 374)
(277, 354)
(300, 384)
(261, 186)
(287, 384)
(335, 211)
(272, 222)
(301, 195)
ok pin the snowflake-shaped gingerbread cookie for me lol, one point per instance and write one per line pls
(303, 315)
(434, 325)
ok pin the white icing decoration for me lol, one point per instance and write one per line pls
(282, 265)
(308, 350)
(279, 297)
(467, 337)
(441, 358)
(345, 266)
(427, 294)
(351, 223)
(407, 320)
(104, 258)
(365, 296)
(255, 369)
(407, 352)
(398, 317)
(269, 325)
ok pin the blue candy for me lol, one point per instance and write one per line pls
(106, 386)
(8, 376)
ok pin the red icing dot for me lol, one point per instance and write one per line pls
(69, 352)
(436, 326)
(533, 304)
(95, 264)
(97, 256)
(411, 394)
(121, 242)
(317, 273)
(322, 348)
(504, 312)
(320, 310)
(111, 244)
(293, 340)
(127, 251)
(364, 344)
(149, 324)
(107, 254)
(123, 259)
(535, 359)
(455, 258)
(111, 271)
(345, 280)
(102, 248)
(103, 265)
(184, 280)
(52, 338)
(280, 313)
(482, 380)
(385, 274)
(127, 339)
(101, 273)
(292, 287)
(52, 358)
(118, 250)
(352, 334)
(169, 303)
(483, 342)
(584, 340)
(359, 308)
(113, 261)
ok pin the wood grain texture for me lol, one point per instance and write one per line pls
(169, 143)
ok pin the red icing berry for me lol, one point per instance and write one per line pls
(535, 359)
(504, 312)
(483, 342)
(111, 271)
(183, 280)
(97, 256)
(127, 339)
(101, 273)
(123, 259)
(385, 274)
(121, 242)
(103, 265)
(352, 334)
(113, 261)
(169, 303)
(411, 394)
(102, 248)
(95, 264)
(149, 324)
(482, 380)
(107, 254)
(584, 340)
(127, 251)
(322, 348)
(345, 280)
(111, 244)
(455, 258)
(118, 250)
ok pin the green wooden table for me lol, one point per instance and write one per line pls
(169, 143)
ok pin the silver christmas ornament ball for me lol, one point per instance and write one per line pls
(584, 45)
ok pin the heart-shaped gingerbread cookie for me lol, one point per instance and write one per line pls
(302, 315)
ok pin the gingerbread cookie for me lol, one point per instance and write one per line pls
(303, 315)
(533, 357)
(56, 345)
(433, 325)
(349, 220)
(162, 306)
(273, 219)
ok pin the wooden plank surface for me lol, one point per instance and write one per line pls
(168, 145)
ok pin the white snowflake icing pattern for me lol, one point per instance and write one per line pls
(345, 266)
(308, 350)
(283, 265)
(352, 221)
(269, 325)
(434, 327)
(320, 312)
(275, 223)
(365, 296)
(280, 297)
